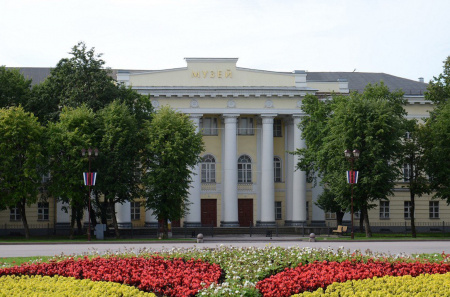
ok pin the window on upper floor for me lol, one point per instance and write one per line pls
(208, 169)
(277, 132)
(209, 126)
(406, 172)
(245, 126)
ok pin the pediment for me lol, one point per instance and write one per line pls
(212, 72)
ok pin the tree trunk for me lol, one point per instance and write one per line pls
(165, 226)
(339, 217)
(366, 222)
(72, 222)
(79, 216)
(114, 219)
(24, 220)
(413, 207)
(361, 220)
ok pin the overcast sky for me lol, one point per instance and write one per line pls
(406, 38)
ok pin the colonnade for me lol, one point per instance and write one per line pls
(295, 180)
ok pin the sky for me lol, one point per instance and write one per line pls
(405, 38)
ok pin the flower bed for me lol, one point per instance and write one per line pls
(37, 285)
(407, 285)
(321, 274)
(236, 271)
(175, 277)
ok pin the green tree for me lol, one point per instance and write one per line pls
(173, 147)
(15, 89)
(21, 158)
(80, 79)
(413, 159)
(74, 131)
(372, 122)
(120, 144)
(437, 136)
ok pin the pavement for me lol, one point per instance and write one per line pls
(79, 248)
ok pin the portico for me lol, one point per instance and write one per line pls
(249, 119)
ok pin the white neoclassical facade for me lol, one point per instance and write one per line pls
(249, 119)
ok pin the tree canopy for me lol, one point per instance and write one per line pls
(373, 123)
(21, 160)
(173, 149)
(15, 89)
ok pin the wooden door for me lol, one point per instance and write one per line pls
(245, 209)
(209, 212)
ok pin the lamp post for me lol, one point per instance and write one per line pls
(352, 177)
(89, 182)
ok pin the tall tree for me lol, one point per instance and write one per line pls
(21, 157)
(372, 122)
(119, 142)
(14, 88)
(174, 148)
(437, 141)
(74, 131)
(414, 162)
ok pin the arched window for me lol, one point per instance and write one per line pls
(208, 169)
(277, 169)
(244, 169)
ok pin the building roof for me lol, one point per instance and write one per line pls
(356, 80)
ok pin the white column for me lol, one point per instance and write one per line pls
(230, 179)
(258, 169)
(193, 218)
(267, 178)
(150, 219)
(299, 180)
(62, 216)
(123, 215)
(289, 170)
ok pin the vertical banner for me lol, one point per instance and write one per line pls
(89, 178)
(352, 177)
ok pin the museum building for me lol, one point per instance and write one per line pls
(249, 120)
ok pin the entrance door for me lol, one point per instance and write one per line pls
(209, 212)
(245, 209)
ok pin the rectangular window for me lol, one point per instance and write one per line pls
(277, 128)
(407, 209)
(245, 126)
(277, 210)
(46, 178)
(357, 214)
(330, 216)
(135, 210)
(277, 169)
(434, 209)
(14, 214)
(43, 211)
(209, 126)
(384, 209)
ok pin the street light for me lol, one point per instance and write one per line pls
(352, 177)
(89, 180)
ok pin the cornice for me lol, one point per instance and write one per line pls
(225, 91)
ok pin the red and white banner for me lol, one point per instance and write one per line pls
(89, 178)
